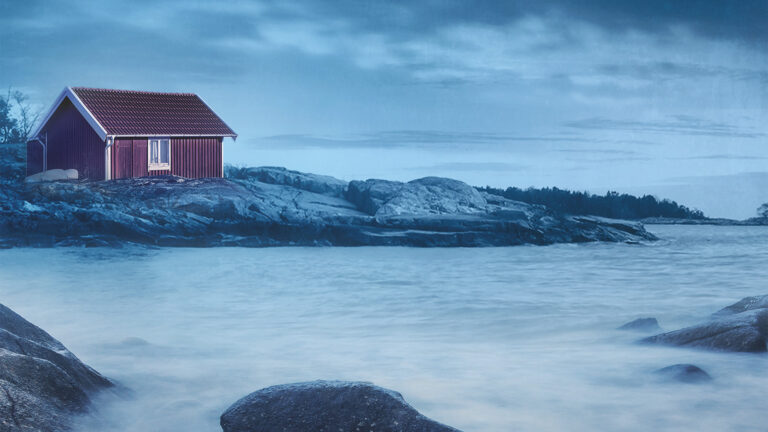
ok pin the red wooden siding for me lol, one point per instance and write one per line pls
(121, 168)
(72, 143)
(190, 157)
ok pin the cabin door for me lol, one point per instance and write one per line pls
(140, 158)
(130, 158)
(123, 159)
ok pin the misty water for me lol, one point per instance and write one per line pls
(489, 339)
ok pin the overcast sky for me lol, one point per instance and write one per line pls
(662, 97)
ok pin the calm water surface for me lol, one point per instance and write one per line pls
(496, 339)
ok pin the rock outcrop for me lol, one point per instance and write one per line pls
(326, 406)
(743, 305)
(425, 196)
(741, 327)
(321, 184)
(274, 206)
(642, 324)
(686, 373)
(42, 384)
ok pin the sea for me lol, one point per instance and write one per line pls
(517, 338)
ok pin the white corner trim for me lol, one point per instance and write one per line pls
(87, 114)
(108, 158)
(47, 117)
(72, 96)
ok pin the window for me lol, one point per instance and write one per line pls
(159, 153)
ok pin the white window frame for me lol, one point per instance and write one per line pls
(158, 166)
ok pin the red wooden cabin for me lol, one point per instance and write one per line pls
(111, 134)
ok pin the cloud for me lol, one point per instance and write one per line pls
(724, 157)
(416, 139)
(612, 160)
(742, 20)
(596, 151)
(677, 124)
(448, 43)
(751, 177)
(472, 166)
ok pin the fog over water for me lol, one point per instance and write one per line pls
(489, 339)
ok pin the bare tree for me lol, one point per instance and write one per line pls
(8, 129)
(762, 211)
(26, 115)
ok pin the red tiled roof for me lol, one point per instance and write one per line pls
(128, 112)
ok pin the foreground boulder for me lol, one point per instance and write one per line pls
(42, 384)
(743, 305)
(326, 406)
(686, 373)
(741, 327)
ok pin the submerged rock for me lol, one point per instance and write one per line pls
(326, 406)
(686, 373)
(42, 384)
(641, 324)
(742, 328)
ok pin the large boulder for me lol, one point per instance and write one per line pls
(743, 305)
(321, 184)
(371, 194)
(42, 384)
(742, 327)
(422, 197)
(326, 406)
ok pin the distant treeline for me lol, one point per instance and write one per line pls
(611, 205)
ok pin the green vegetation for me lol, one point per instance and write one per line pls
(611, 205)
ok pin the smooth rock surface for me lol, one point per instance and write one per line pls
(42, 384)
(273, 206)
(431, 196)
(641, 324)
(281, 176)
(53, 175)
(743, 305)
(686, 373)
(326, 406)
(735, 331)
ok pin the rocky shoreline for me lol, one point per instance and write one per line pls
(271, 206)
(756, 221)
(44, 387)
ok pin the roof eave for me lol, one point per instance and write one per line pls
(79, 105)
(171, 135)
(233, 135)
(69, 93)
